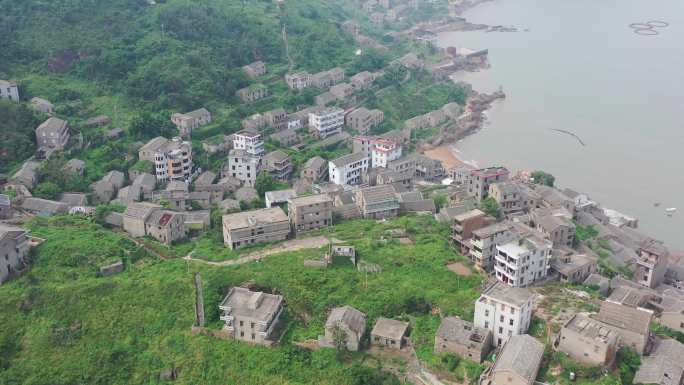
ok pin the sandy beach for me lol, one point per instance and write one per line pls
(447, 155)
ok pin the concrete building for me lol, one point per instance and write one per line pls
(42, 105)
(389, 333)
(310, 212)
(553, 198)
(253, 93)
(254, 70)
(190, 120)
(574, 268)
(52, 134)
(348, 169)
(427, 168)
(478, 181)
(384, 151)
(630, 323)
(378, 202)
(327, 79)
(482, 247)
(347, 321)
(14, 248)
(315, 169)
(298, 80)
(253, 227)
(326, 122)
(514, 197)
(664, 366)
(651, 264)
(522, 262)
(463, 339)
(587, 341)
(362, 80)
(464, 225)
(278, 164)
(9, 90)
(278, 198)
(505, 310)
(244, 166)
(518, 363)
(251, 316)
(363, 119)
(172, 158)
(251, 142)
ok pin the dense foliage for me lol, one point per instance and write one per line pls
(17, 138)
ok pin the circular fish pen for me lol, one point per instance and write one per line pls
(648, 28)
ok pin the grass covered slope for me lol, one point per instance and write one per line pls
(64, 325)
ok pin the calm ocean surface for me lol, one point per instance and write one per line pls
(580, 68)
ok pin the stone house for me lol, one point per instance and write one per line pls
(286, 137)
(378, 202)
(463, 339)
(452, 110)
(664, 366)
(553, 198)
(254, 122)
(255, 69)
(190, 120)
(362, 80)
(349, 323)
(276, 118)
(44, 207)
(5, 207)
(298, 80)
(514, 197)
(315, 169)
(42, 105)
(342, 91)
(651, 264)
(558, 229)
(106, 188)
(14, 248)
(670, 310)
(435, 118)
(327, 79)
(75, 166)
(27, 174)
(389, 333)
(251, 316)
(310, 212)
(9, 90)
(630, 323)
(278, 164)
(518, 363)
(74, 200)
(587, 341)
(363, 119)
(135, 217)
(478, 182)
(246, 194)
(52, 134)
(165, 226)
(253, 93)
(253, 227)
(574, 268)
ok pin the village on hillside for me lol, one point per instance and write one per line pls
(562, 275)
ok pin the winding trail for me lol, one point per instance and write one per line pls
(291, 245)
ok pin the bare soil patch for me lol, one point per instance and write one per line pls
(460, 269)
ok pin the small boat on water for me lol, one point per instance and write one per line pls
(669, 211)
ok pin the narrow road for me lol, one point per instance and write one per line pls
(291, 245)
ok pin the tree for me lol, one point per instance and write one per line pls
(629, 363)
(47, 190)
(490, 207)
(339, 339)
(541, 177)
(147, 125)
(441, 200)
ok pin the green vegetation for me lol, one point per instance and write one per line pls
(583, 233)
(628, 364)
(17, 136)
(490, 207)
(665, 332)
(69, 326)
(541, 177)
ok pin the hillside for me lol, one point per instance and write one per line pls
(64, 325)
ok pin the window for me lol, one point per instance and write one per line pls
(501, 319)
(252, 325)
(510, 322)
(253, 335)
(241, 323)
(512, 310)
(486, 313)
(500, 330)
(242, 334)
(486, 324)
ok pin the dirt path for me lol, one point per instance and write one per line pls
(291, 245)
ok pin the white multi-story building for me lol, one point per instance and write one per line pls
(384, 151)
(521, 262)
(348, 169)
(9, 90)
(251, 142)
(505, 310)
(244, 166)
(172, 158)
(326, 122)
